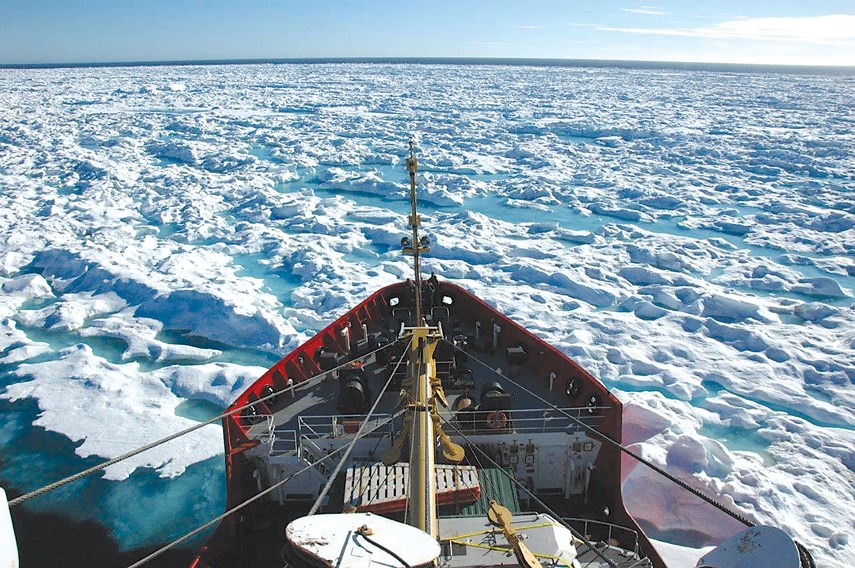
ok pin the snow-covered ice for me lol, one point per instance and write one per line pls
(167, 233)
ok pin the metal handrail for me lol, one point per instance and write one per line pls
(611, 528)
(312, 448)
(323, 426)
(538, 420)
(288, 437)
(256, 419)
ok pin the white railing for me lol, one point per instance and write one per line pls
(610, 531)
(338, 426)
(284, 442)
(529, 421)
(264, 436)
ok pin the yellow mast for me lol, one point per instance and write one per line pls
(422, 511)
(420, 391)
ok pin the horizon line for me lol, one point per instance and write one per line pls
(514, 61)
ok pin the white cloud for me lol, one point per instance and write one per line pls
(529, 27)
(833, 29)
(646, 10)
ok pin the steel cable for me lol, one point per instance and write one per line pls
(252, 499)
(57, 484)
(507, 474)
(356, 437)
(620, 446)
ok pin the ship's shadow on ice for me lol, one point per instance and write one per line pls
(115, 521)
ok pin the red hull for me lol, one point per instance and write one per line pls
(300, 365)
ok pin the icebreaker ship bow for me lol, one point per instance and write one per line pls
(333, 461)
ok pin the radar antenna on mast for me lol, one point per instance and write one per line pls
(417, 245)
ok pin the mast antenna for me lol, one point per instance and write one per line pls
(417, 245)
(421, 389)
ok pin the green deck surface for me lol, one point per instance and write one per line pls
(494, 485)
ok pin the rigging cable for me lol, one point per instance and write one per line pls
(507, 474)
(386, 479)
(486, 482)
(356, 437)
(621, 447)
(132, 453)
(254, 498)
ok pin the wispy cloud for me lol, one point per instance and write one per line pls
(529, 27)
(646, 10)
(833, 29)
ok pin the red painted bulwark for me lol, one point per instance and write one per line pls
(301, 364)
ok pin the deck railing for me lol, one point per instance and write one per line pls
(284, 442)
(338, 426)
(529, 421)
(612, 533)
(478, 422)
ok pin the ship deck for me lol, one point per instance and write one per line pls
(320, 399)
(515, 405)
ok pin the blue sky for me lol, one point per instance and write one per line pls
(820, 32)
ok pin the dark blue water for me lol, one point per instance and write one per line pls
(93, 521)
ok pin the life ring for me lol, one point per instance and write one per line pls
(497, 420)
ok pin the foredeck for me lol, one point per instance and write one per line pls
(320, 398)
(516, 405)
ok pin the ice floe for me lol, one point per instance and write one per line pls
(167, 232)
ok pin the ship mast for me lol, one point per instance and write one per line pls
(416, 246)
(420, 391)
(422, 483)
